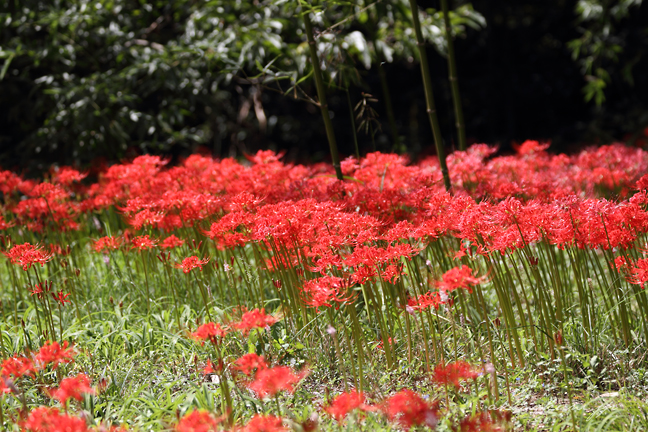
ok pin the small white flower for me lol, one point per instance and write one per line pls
(331, 330)
(431, 420)
(444, 296)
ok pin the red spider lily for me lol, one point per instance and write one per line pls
(269, 382)
(392, 272)
(378, 257)
(60, 297)
(191, 263)
(459, 277)
(409, 409)
(265, 157)
(171, 242)
(326, 290)
(58, 250)
(256, 318)
(482, 422)
(9, 182)
(27, 255)
(17, 366)
(72, 388)
(6, 386)
(66, 176)
(4, 225)
(198, 421)
(621, 264)
(143, 242)
(210, 368)
(47, 190)
(639, 272)
(46, 419)
(344, 403)
(425, 301)
(390, 341)
(37, 291)
(529, 147)
(250, 363)
(452, 373)
(264, 423)
(106, 244)
(144, 218)
(209, 332)
(54, 354)
(642, 183)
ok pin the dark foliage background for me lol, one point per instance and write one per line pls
(109, 79)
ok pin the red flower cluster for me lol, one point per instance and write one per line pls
(325, 291)
(344, 403)
(27, 255)
(270, 381)
(171, 242)
(638, 273)
(251, 363)
(61, 298)
(198, 421)
(191, 263)
(45, 419)
(452, 373)
(52, 353)
(254, 319)
(459, 277)
(409, 409)
(17, 366)
(143, 242)
(72, 388)
(264, 423)
(483, 422)
(209, 332)
(66, 176)
(106, 244)
(425, 301)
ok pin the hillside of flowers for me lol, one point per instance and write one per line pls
(258, 295)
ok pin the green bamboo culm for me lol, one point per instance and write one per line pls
(384, 84)
(389, 107)
(353, 125)
(452, 76)
(429, 96)
(321, 92)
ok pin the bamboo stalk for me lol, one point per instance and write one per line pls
(353, 126)
(321, 94)
(429, 96)
(454, 81)
(389, 107)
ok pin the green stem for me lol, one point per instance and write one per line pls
(174, 293)
(148, 306)
(338, 352)
(388, 105)
(567, 383)
(358, 341)
(204, 296)
(353, 125)
(429, 96)
(38, 320)
(321, 92)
